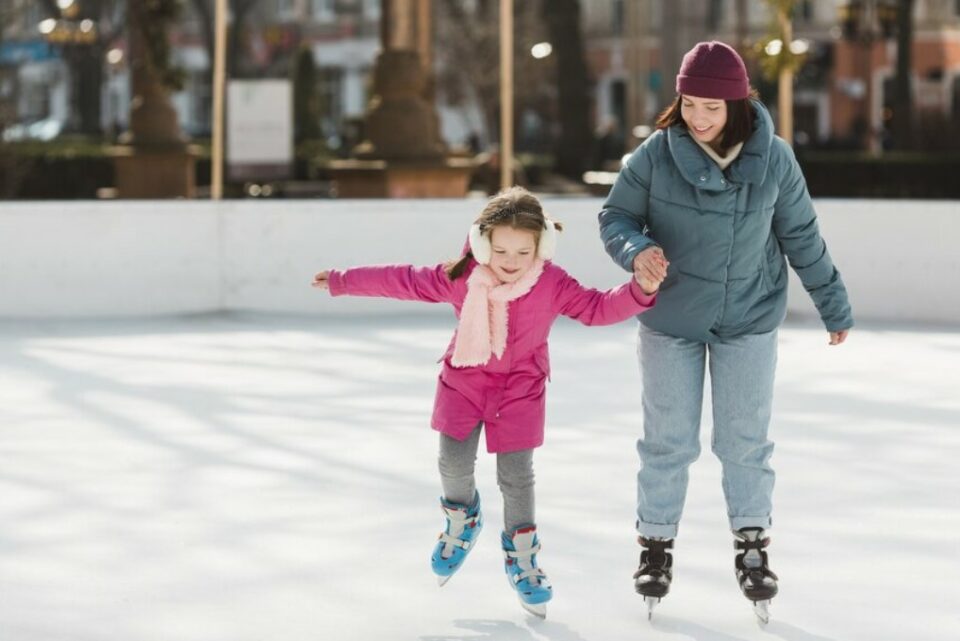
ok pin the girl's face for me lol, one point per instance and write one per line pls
(514, 251)
(705, 117)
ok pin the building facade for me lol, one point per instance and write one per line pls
(844, 91)
(843, 95)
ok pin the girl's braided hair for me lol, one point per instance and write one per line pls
(513, 207)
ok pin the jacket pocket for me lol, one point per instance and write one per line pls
(772, 274)
(772, 265)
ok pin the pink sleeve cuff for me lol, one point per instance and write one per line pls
(647, 300)
(336, 283)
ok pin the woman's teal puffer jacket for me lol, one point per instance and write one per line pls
(725, 233)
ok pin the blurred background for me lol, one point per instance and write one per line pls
(115, 98)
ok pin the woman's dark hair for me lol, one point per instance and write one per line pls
(739, 125)
(513, 207)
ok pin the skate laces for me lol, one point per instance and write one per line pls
(751, 541)
(753, 561)
(654, 560)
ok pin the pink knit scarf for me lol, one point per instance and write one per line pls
(483, 318)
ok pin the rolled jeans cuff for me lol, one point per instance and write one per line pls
(737, 522)
(658, 530)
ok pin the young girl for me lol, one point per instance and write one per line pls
(506, 294)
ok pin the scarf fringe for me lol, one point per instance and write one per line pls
(484, 317)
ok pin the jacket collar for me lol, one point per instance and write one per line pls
(749, 167)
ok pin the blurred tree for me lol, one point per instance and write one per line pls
(85, 58)
(153, 120)
(153, 159)
(573, 147)
(467, 52)
(779, 60)
(306, 102)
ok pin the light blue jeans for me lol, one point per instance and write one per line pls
(741, 378)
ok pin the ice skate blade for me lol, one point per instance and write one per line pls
(538, 609)
(760, 608)
(442, 580)
(651, 602)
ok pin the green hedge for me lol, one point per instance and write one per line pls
(75, 168)
(892, 175)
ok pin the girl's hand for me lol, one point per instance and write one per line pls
(648, 286)
(838, 337)
(650, 267)
(321, 280)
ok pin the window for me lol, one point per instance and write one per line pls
(330, 90)
(371, 9)
(656, 15)
(286, 10)
(323, 10)
(714, 15)
(617, 17)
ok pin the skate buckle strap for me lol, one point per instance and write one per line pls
(527, 574)
(522, 554)
(458, 523)
(452, 540)
(759, 544)
(656, 544)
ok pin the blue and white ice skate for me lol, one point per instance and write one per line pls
(520, 549)
(463, 525)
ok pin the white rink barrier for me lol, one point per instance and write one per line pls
(141, 258)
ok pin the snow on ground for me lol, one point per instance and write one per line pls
(247, 477)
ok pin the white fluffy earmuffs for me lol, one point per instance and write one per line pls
(482, 250)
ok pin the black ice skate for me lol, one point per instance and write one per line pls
(757, 581)
(652, 579)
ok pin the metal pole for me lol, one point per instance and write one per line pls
(785, 88)
(425, 36)
(219, 78)
(637, 70)
(506, 93)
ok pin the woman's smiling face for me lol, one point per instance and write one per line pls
(705, 117)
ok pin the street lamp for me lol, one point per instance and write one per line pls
(541, 50)
(73, 33)
(65, 29)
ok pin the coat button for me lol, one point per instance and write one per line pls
(703, 178)
(723, 182)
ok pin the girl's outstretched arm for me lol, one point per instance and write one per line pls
(402, 282)
(595, 307)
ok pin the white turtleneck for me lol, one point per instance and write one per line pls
(722, 161)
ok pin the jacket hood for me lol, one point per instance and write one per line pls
(703, 173)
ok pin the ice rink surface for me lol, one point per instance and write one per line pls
(273, 478)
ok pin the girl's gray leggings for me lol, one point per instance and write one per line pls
(514, 476)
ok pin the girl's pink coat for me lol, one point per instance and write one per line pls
(506, 394)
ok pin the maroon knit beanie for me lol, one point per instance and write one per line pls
(713, 70)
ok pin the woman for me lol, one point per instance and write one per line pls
(721, 198)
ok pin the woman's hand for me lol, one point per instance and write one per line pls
(321, 280)
(650, 268)
(838, 337)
